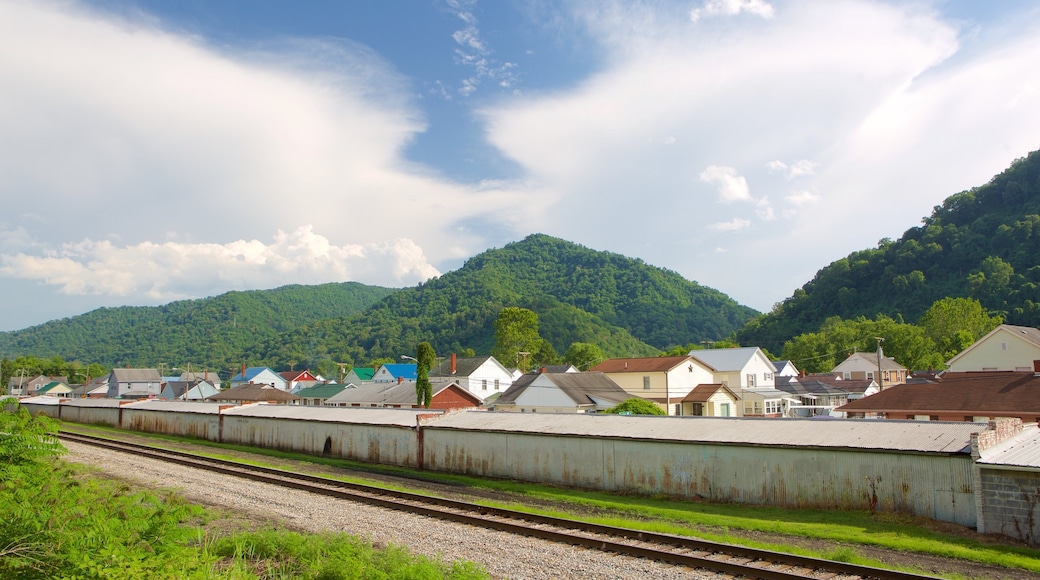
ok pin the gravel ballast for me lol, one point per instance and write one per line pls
(504, 555)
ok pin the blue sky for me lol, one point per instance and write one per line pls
(152, 151)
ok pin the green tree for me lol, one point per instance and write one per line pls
(516, 332)
(583, 355)
(636, 406)
(425, 357)
(956, 323)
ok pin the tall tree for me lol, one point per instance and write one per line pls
(516, 336)
(583, 355)
(424, 356)
(955, 323)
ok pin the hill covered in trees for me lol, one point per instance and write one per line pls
(623, 305)
(216, 332)
(983, 244)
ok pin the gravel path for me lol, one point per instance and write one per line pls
(504, 555)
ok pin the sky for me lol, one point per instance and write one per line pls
(153, 151)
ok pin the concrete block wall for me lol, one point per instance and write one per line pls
(1010, 504)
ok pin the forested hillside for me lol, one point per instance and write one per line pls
(983, 243)
(217, 332)
(622, 304)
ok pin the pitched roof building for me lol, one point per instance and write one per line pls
(562, 392)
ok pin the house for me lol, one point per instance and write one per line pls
(814, 396)
(481, 375)
(738, 368)
(665, 380)
(587, 392)
(297, 380)
(864, 365)
(209, 376)
(856, 388)
(358, 375)
(29, 386)
(316, 395)
(967, 396)
(390, 373)
(766, 402)
(195, 390)
(784, 368)
(1005, 348)
(54, 389)
(711, 400)
(259, 375)
(447, 394)
(255, 393)
(134, 383)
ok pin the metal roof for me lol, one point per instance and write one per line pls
(91, 402)
(1021, 451)
(176, 406)
(887, 435)
(356, 415)
(726, 359)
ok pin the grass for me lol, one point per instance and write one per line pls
(710, 521)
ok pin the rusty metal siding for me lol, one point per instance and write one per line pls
(90, 415)
(388, 444)
(939, 486)
(179, 423)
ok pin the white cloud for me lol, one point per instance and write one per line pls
(175, 270)
(802, 198)
(732, 8)
(764, 210)
(731, 186)
(473, 52)
(795, 170)
(733, 225)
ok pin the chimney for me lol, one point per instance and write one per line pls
(542, 370)
(243, 370)
(453, 364)
(400, 380)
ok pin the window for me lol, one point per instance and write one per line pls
(767, 377)
(751, 380)
(772, 407)
(646, 383)
(483, 385)
(724, 409)
(1003, 346)
(886, 375)
(496, 384)
(846, 375)
(870, 375)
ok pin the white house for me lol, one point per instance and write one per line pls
(561, 393)
(739, 368)
(785, 368)
(665, 380)
(481, 375)
(1005, 348)
(259, 376)
(391, 373)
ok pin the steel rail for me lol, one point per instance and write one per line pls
(741, 560)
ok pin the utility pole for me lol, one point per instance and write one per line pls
(880, 355)
(523, 354)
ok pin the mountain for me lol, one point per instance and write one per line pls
(983, 243)
(214, 332)
(622, 304)
(627, 307)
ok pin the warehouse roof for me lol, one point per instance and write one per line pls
(175, 406)
(923, 436)
(354, 415)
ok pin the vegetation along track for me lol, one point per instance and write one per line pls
(699, 554)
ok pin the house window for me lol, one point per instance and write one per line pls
(646, 383)
(751, 380)
(1003, 346)
(483, 385)
(496, 384)
(772, 407)
(870, 375)
(933, 417)
(768, 377)
(886, 375)
(846, 375)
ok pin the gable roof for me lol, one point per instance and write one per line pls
(582, 388)
(1027, 334)
(402, 393)
(136, 375)
(702, 393)
(728, 359)
(323, 391)
(977, 393)
(295, 375)
(659, 364)
(251, 373)
(464, 366)
(363, 373)
(887, 362)
(398, 370)
(254, 392)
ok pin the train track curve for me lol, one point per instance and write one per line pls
(729, 559)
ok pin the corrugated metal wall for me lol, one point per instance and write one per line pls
(184, 424)
(934, 486)
(388, 444)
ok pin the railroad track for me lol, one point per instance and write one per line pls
(738, 561)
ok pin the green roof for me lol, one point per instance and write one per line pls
(364, 373)
(320, 391)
